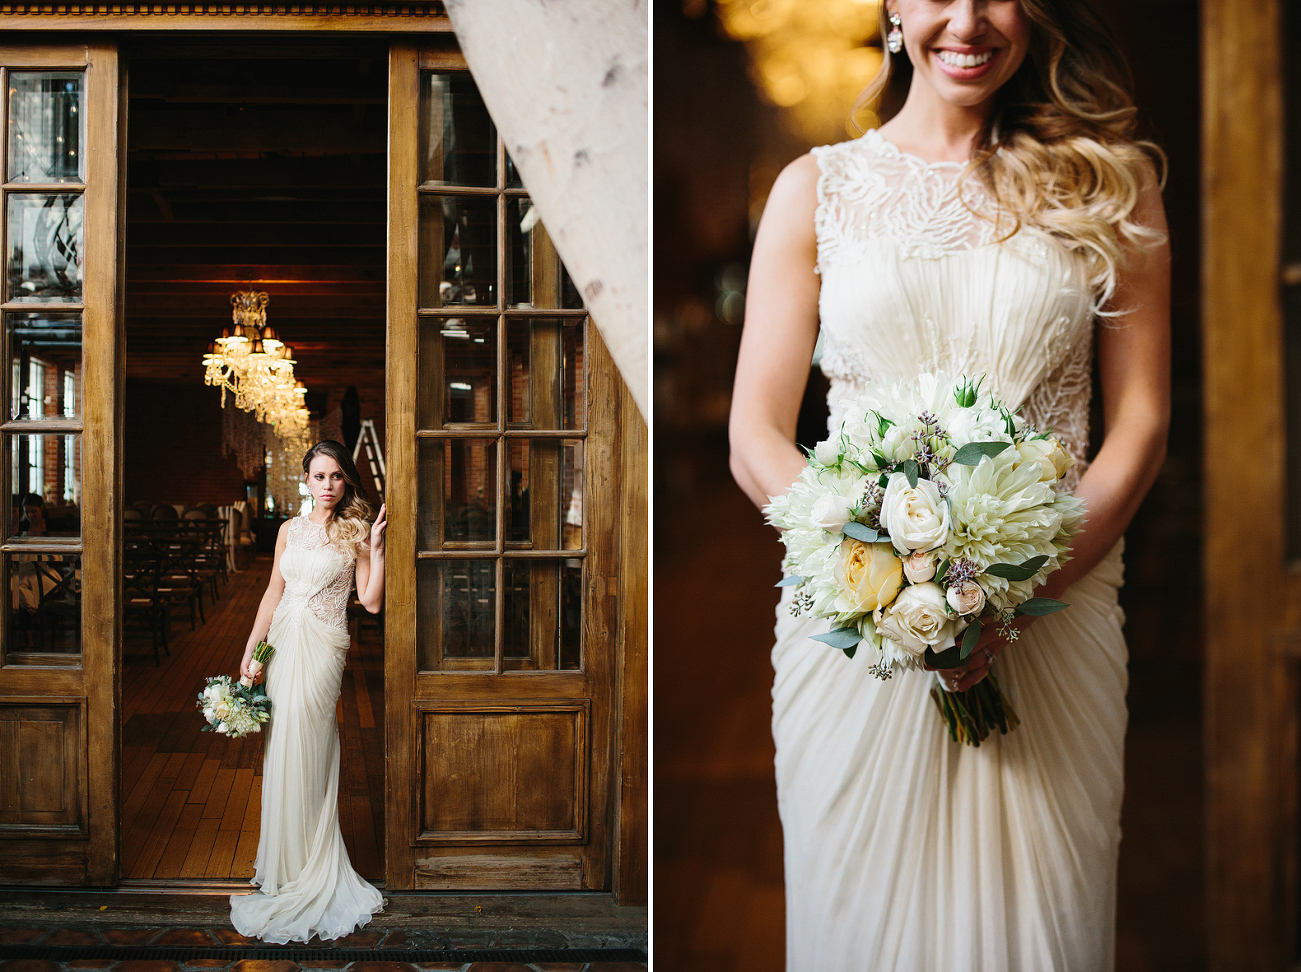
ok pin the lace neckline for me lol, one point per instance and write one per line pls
(887, 147)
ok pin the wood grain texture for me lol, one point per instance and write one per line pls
(556, 872)
(101, 452)
(400, 583)
(632, 806)
(42, 769)
(255, 17)
(604, 515)
(501, 772)
(1244, 481)
(93, 685)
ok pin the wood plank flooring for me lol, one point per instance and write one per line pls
(191, 800)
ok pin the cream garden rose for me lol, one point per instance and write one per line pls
(920, 565)
(966, 598)
(869, 574)
(1048, 453)
(916, 517)
(918, 619)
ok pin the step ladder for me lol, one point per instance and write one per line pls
(369, 440)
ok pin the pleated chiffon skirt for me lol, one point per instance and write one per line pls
(309, 887)
(907, 852)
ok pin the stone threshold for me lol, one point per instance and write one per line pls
(199, 916)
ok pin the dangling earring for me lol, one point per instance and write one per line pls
(894, 39)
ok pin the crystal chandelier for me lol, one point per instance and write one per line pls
(253, 364)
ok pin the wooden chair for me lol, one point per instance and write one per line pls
(178, 583)
(142, 605)
(59, 591)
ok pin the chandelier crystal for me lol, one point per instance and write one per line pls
(252, 363)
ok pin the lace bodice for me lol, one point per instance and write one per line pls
(317, 574)
(916, 279)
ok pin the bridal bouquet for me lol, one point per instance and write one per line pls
(232, 708)
(933, 513)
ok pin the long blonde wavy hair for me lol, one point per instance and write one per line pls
(353, 514)
(1059, 151)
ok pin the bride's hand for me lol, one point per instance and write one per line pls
(377, 529)
(245, 671)
(990, 646)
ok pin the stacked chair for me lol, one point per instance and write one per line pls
(172, 556)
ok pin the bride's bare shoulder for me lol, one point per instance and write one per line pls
(794, 195)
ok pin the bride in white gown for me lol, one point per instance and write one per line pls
(1001, 214)
(308, 884)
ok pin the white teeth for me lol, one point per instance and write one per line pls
(954, 59)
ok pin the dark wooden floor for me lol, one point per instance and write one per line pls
(191, 799)
(718, 887)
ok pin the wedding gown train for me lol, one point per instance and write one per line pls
(308, 884)
(904, 851)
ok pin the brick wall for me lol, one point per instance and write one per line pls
(173, 446)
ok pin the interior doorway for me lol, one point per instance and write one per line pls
(260, 168)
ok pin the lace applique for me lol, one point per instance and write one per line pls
(330, 603)
(893, 306)
(869, 190)
(1061, 403)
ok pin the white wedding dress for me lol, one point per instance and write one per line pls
(308, 884)
(904, 850)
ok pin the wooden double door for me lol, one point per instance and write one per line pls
(515, 480)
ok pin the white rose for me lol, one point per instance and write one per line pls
(967, 598)
(966, 425)
(831, 511)
(919, 566)
(916, 517)
(827, 451)
(1052, 459)
(918, 619)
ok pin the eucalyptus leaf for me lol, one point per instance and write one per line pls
(841, 638)
(1017, 572)
(909, 469)
(969, 639)
(790, 581)
(1037, 607)
(971, 453)
(949, 658)
(859, 532)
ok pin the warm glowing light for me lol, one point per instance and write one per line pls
(810, 57)
(257, 367)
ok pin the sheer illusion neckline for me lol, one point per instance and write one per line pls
(889, 148)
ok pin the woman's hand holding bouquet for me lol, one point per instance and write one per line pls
(931, 516)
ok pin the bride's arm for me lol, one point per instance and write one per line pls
(370, 567)
(1134, 367)
(262, 624)
(781, 328)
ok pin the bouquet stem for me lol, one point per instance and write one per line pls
(972, 715)
(261, 653)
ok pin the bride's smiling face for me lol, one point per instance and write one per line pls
(325, 481)
(964, 49)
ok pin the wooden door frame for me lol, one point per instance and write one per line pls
(94, 684)
(1252, 613)
(616, 573)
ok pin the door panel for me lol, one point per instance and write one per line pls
(503, 406)
(61, 339)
